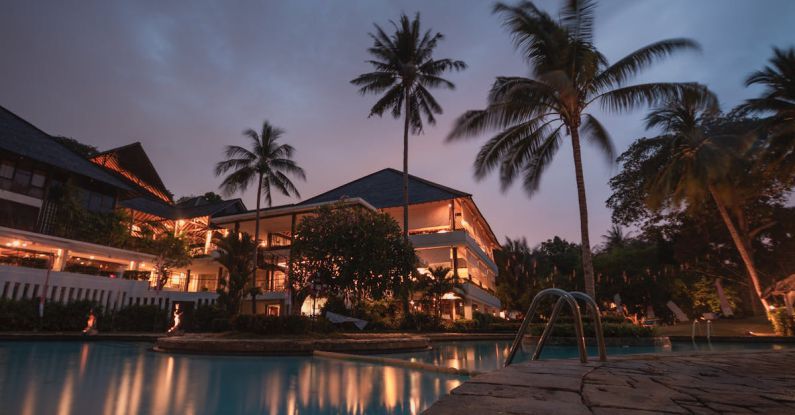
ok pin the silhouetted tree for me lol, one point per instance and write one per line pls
(405, 71)
(569, 76)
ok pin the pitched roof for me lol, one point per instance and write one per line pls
(131, 162)
(384, 189)
(21, 137)
(164, 210)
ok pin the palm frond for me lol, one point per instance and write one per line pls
(577, 17)
(597, 134)
(631, 97)
(620, 72)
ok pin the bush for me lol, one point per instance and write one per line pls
(23, 315)
(421, 322)
(783, 324)
(281, 325)
(209, 318)
(147, 318)
(18, 315)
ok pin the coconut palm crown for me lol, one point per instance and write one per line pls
(777, 102)
(569, 77)
(404, 72)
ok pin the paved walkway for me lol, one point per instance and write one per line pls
(716, 383)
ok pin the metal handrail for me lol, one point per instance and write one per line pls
(575, 310)
(597, 318)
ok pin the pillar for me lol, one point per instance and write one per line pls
(59, 260)
(468, 310)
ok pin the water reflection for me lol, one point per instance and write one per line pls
(73, 378)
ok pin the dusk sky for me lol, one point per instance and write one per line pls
(186, 78)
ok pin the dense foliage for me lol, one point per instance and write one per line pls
(351, 253)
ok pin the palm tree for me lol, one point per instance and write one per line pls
(268, 164)
(689, 164)
(438, 282)
(233, 253)
(569, 76)
(615, 237)
(778, 102)
(404, 71)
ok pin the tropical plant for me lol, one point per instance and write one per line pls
(569, 76)
(777, 101)
(693, 161)
(404, 71)
(267, 163)
(436, 283)
(233, 252)
(353, 253)
(172, 252)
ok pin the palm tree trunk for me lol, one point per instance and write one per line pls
(256, 249)
(407, 116)
(745, 253)
(587, 263)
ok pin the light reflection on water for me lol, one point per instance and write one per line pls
(74, 378)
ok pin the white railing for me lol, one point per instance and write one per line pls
(18, 283)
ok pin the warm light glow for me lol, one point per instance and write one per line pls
(450, 296)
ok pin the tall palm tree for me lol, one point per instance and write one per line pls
(568, 77)
(777, 101)
(689, 164)
(268, 164)
(404, 71)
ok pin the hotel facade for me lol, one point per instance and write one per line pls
(39, 257)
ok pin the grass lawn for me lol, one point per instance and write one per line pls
(723, 327)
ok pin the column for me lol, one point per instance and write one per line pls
(468, 309)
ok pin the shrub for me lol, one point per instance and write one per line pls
(148, 318)
(783, 324)
(18, 315)
(281, 325)
(209, 318)
(421, 322)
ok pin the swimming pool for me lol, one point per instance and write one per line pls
(125, 378)
(484, 356)
(106, 377)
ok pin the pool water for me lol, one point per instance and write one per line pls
(126, 378)
(84, 378)
(484, 356)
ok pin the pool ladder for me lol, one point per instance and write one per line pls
(708, 336)
(564, 297)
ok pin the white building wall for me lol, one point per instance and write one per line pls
(112, 293)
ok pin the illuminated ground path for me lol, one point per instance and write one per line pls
(679, 383)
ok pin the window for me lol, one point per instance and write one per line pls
(6, 174)
(21, 180)
(37, 184)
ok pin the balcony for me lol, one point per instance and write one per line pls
(454, 238)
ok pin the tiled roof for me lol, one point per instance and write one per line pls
(159, 208)
(384, 189)
(21, 137)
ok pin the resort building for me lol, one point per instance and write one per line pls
(46, 187)
(445, 226)
(45, 250)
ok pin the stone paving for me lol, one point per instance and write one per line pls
(674, 383)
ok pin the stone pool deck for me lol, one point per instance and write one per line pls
(673, 383)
